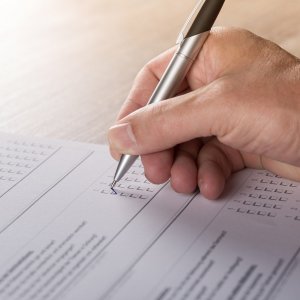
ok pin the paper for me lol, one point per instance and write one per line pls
(65, 235)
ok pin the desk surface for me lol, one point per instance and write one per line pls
(67, 65)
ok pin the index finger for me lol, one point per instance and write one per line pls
(145, 83)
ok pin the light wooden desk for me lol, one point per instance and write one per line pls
(67, 65)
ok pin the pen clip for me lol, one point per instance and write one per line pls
(189, 22)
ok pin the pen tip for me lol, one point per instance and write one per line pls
(112, 185)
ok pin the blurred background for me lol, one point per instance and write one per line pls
(66, 66)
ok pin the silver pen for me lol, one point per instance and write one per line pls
(190, 41)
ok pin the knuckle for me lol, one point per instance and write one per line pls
(158, 113)
(226, 105)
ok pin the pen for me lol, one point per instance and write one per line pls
(190, 41)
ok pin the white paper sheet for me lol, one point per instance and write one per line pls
(64, 235)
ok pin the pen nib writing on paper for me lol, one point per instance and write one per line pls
(112, 185)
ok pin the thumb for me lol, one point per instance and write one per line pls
(163, 125)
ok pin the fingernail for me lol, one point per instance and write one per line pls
(121, 138)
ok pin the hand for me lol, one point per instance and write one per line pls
(242, 95)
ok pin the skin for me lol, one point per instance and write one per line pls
(238, 107)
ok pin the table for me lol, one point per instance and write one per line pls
(66, 65)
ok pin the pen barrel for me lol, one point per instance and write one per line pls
(124, 165)
(178, 67)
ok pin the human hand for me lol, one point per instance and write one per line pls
(242, 95)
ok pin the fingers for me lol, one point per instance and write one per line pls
(166, 124)
(180, 166)
(216, 162)
(158, 166)
(184, 169)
